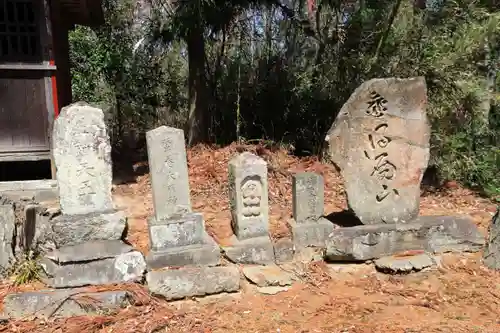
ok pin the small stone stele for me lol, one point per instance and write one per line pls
(248, 191)
(248, 197)
(380, 142)
(308, 226)
(307, 197)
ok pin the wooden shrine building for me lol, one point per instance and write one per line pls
(35, 80)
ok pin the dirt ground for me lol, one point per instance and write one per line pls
(460, 296)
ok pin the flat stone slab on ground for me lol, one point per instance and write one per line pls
(311, 234)
(63, 303)
(180, 283)
(435, 234)
(66, 230)
(408, 264)
(125, 267)
(258, 250)
(272, 290)
(93, 250)
(265, 276)
(207, 254)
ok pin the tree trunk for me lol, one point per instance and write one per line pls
(198, 125)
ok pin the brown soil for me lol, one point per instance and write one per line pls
(462, 296)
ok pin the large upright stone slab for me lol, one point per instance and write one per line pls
(380, 141)
(248, 197)
(177, 235)
(169, 172)
(82, 155)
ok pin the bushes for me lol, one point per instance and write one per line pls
(285, 80)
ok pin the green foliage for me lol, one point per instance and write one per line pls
(274, 72)
(26, 270)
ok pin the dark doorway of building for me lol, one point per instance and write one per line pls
(25, 170)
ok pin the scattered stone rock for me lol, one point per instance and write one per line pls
(193, 281)
(126, 267)
(394, 264)
(283, 250)
(435, 234)
(272, 290)
(63, 303)
(82, 156)
(380, 141)
(491, 255)
(264, 276)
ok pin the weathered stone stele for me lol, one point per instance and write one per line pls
(169, 172)
(82, 155)
(307, 197)
(380, 141)
(248, 195)
(177, 236)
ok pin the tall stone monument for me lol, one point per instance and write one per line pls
(86, 241)
(177, 235)
(380, 142)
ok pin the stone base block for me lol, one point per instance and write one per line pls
(283, 250)
(207, 254)
(63, 303)
(67, 230)
(257, 250)
(429, 233)
(188, 229)
(193, 281)
(313, 234)
(89, 251)
(126, 267)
